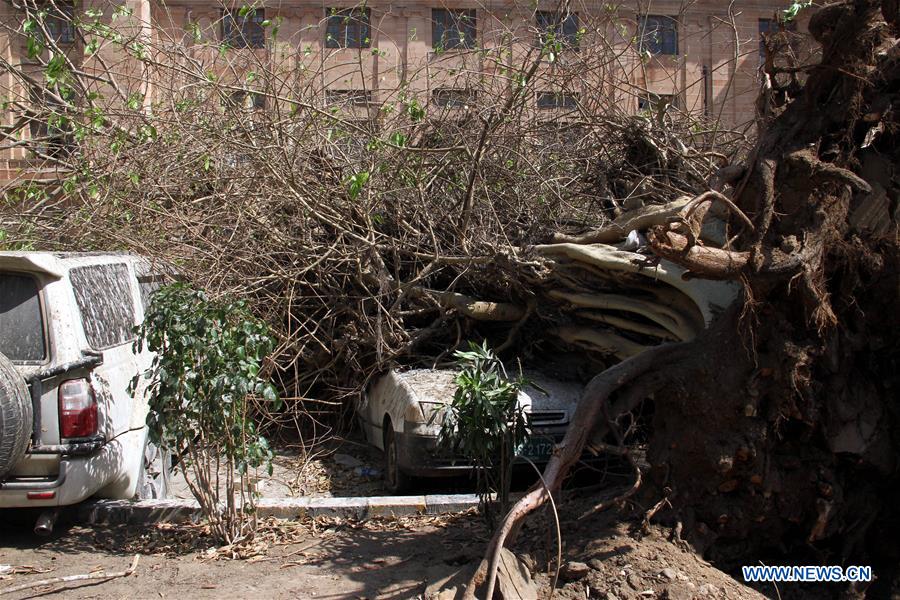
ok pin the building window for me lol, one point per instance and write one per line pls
(348, 28)
(659, 35)
(560, 134)
(767, 28)
(49, 137)
(51, 130)
(553, 27)
(59, 24)
(548, 100)
(655, 102)
(348, 97)
(246, 100)
(452, 29)
(244, 29)
(350, 138)
(453, 97)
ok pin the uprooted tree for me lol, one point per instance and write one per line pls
(369, 236)
(779, 423)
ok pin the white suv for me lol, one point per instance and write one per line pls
(69, 428)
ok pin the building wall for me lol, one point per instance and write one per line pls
(711, 73)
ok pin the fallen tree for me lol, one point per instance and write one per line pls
(365, 233)
(368, 236)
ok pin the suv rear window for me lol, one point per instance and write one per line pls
(104, 298)
(21, 320)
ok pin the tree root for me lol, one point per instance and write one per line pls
(588, 413)
(631, 491)
(480, 310)
(639, 219)
(709, 198)
(628, 325)
(604, 342)
(670, 320)
(708, 297)
(806, 160)
(711, 263)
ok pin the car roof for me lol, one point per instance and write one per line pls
(57, 263)
(428, 385)
(439, 385)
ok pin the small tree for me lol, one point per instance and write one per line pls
(485, 423)
(206, 370)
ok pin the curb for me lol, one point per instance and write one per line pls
(145, 512)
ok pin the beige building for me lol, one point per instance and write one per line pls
(695, 56)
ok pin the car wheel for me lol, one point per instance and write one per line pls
(15, 416)
(395, 480)
(156, 468)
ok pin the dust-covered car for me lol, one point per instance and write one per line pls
(400, 414)
(69, 427)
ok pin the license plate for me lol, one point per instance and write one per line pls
(538, 449)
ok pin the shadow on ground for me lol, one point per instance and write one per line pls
(375, 559)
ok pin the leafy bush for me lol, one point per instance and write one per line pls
(207, 368)
(484, 422)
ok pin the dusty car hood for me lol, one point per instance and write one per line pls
(437, 386)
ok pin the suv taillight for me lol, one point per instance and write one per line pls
(77, 409)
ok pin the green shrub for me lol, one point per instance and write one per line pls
(484, 422)
(206, 370)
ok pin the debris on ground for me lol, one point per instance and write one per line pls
(430, 557)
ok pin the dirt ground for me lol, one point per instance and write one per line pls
(391, 559)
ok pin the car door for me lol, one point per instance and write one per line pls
(148, 282)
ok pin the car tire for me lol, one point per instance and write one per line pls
(395, 480)
(156, 469)
(16, 419)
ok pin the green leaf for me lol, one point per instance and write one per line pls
(484, 422)
(34, 47)
(398, 139)
(135, 101)
(122, 11)
(355, 183)
(791, 12)
(196, 34)
(414, 110)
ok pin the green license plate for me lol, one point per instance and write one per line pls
(538, 449)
